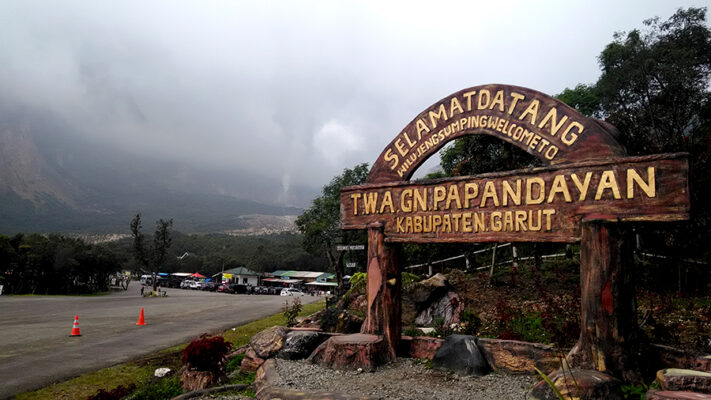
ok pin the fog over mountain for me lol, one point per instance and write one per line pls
(55, 181)
(107, 108)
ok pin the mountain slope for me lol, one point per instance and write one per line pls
(53, 181)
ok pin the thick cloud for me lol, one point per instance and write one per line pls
(296, 90)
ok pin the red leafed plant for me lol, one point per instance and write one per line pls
(208, 353)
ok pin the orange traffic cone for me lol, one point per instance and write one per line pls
(75, 327)
(141, 320)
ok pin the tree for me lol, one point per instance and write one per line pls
(320, 224)
(654, 88)
(153, 257)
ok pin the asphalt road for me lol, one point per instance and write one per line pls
(36, 350)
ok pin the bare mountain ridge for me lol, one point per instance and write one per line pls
(54, 181)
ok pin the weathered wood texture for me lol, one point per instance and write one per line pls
(350, 352)
(537, 123)
(537, 205)
(609, 335)
(384, 309)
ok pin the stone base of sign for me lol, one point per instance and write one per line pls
(197, 380)
(583, 384)
(670, 357)
(676, 395)
(350, 352)
(684, 380)
(418, 346)
(515, 357)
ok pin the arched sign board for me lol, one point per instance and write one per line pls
(587, 173)
(586, 187)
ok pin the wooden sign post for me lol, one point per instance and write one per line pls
(586, 190)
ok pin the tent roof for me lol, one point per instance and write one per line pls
(322, 283)
(198, 275)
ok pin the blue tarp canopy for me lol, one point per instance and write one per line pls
(163, 274)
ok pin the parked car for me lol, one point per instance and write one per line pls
(225, 288)
(291, 292)
(186, 284)
(209, 286)
(238, 288)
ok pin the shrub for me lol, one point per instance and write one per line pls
(207, 354)
(470, 322)
(291, 311)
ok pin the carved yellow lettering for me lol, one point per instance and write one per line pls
(489, 192)
(582, 187)
(548, 213)
(541, 184)
(471, 190)
(400, 147)
(355, 197)
(607, 181)
(559, 186)
(439, 194)
(532, 109)
(516, 97)
(387, 202)
(649, 187)
(508, 221)
(454, 105)
(466, 222)
(498, 99)
(521, 220)
(440, 114)
(553, 117)
(389, 156)
(420, 200)
(406, 200)
(509, 193)
(496, 221)
(482, 94)
(453, 195)
(421, 127)
(468, 96)
(570, 137)
(369, 200)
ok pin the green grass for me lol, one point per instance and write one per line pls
(241, 335)
(88, 384)
(141, 371)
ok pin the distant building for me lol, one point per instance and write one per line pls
(244, 276)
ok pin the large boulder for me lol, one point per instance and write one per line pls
(251, 361)
(433, 299)
(459, 353)
(580, 384)
(299, 345)
(269, 341)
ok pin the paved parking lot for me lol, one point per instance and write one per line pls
(35, 347)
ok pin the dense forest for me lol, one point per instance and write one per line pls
(56, 264)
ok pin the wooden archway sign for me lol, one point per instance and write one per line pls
(586, 189)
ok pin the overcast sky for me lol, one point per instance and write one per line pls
(296, 89)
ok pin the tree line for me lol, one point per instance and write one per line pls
(54, 264)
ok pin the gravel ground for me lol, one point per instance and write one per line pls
(405, 379)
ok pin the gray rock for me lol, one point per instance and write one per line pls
(299, 345)
(459, 353)
(269, 341)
